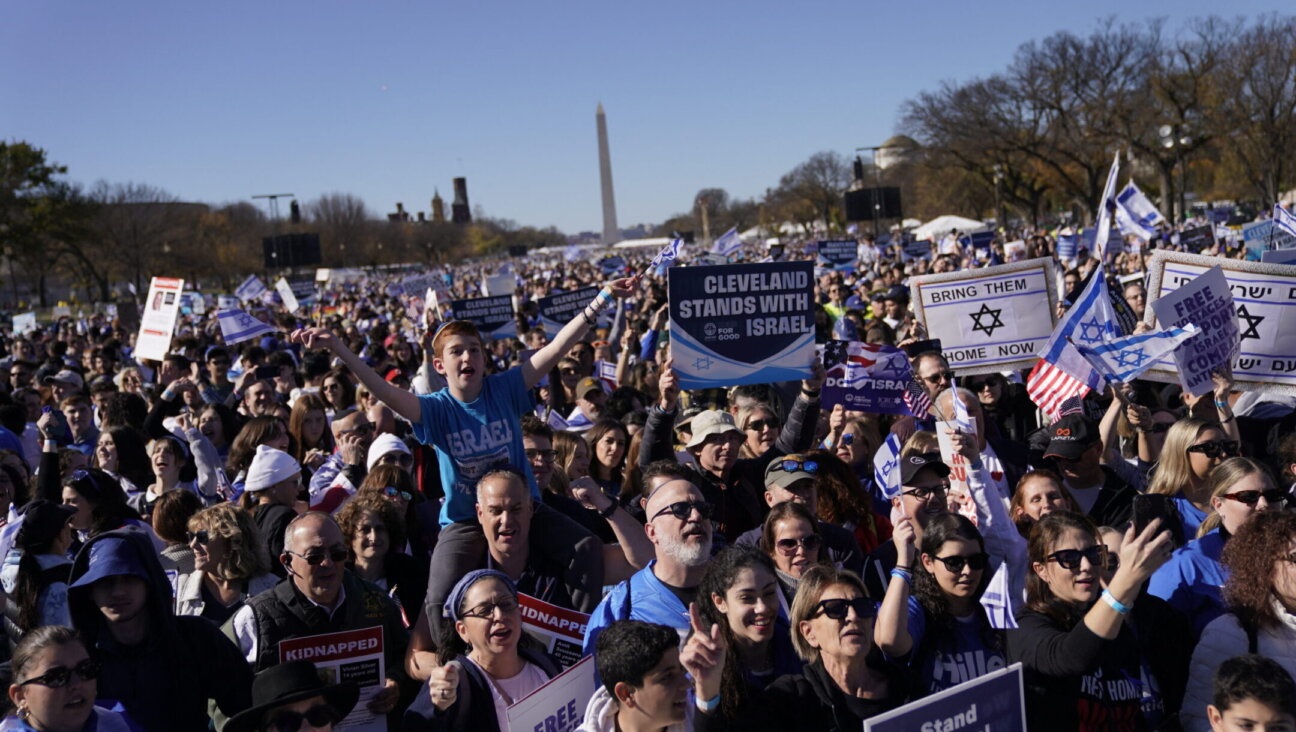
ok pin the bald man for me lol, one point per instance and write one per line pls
(679, 527)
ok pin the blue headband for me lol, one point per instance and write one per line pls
(451, 609)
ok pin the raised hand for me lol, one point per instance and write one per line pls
(818, 375)
(353, 448)
(704, 655)
(668, 385)
(904, 535)
(623, 287)
(443, 685)
(315, 338)
(1144, 554)
(590, 495)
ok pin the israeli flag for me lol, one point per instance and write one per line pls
(1125, 359)
(729, 243)
(1105, 208)
(572, 253)
(1135, 214)
(886, 465)
(237, 326)
(1091, 321)
(962, 419)
(1284, 219)
(667, 255)
(251, 289)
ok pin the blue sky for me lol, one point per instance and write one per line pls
(216, 102)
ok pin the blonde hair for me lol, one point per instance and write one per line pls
(247, 551)
(745, 415)
(1173, 471)
(1222, 478)
(812, 586)
(919, 443)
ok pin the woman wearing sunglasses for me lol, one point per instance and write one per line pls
(761, 426)
(1240, 489)
(1004, 405)
(1092, 654)
(230, 564)
(1193, 448)
(490, 666)
(374, 531)
(55, 685)
(939, 626)
(844, 681)
(790, 538)
(420, 517)
(1260, 596)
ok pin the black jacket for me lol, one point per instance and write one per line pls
(474, 709)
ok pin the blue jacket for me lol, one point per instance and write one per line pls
(642, 597)
(1193, 578)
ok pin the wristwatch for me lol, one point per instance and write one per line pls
(611, 509)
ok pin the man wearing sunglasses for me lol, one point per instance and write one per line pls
(343, 472)
(679, 527)
(924, 479)
(319, 596)
(1075, 449)
(120, 601)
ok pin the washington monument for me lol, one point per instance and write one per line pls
(611, 232)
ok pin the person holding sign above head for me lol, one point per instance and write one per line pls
(644, 687)
(490, 665)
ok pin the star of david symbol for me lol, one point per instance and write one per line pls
(897, 367)
(1252, 322)
(702, 364)
(987, 328)
(1091, 332)
(1132, 359)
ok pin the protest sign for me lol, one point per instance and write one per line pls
(839, 254)
(1203, 300)
(866, 377)
(62, 311)
(493, 316)
(287, 295)
(917, 249)
(558, 310)
(1197, 239)
(158, 320)
(1066, 246)
(1279, 256)
(960, 490)
(500, 284)
(711, 258)
(1263, 335)
(1263, 236)
(559, 705)
(559, 630)
(990, 319)
(303, 288)
(226, 302)
(612, 264)
(992, 701)
(351, 655)
(24, 323)
(741, 323)
(1015, 251)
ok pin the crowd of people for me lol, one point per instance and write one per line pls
(169, 525)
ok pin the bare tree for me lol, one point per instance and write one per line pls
(140, 227)
(1260, 107)
(346, 228)
(820, 182)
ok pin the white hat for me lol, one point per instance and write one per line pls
(382, 445)
(269, 466)
(711, 422)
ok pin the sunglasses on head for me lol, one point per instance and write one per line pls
(315, 559)
(1216, 448)
(797, 466)
(392, 491)
(938, 377)
(838, 608)
(1069, 559)
(683, 509)
(201, 536)
(788, 547)
(85, 475)
(286, 720)
(60, 676)
(760, 424)
(955, 563)
(1251, 498)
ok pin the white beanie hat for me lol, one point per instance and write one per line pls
(382, 445)
(269, 466)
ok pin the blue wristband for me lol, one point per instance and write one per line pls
(709, 705)
(1116, 605)
(902, 574)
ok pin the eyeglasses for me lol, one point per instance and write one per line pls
(1215, 448)
(797, 466)
(392, 491)
(847, 438)
(975, 385)
(1069, 559)
(683, 509)
(286, 720)
(201, 536)
(926, 493)
(939, 377)
(838, 608)
(956, 563)
(487, 609)
(761, 424)
(546, 455)
(337, 554)
(1251, 498)
(788, 547)
(60, 676)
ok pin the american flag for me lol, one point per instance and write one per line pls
(917, 399)
(1051, 388)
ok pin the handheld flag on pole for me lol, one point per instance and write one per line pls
(1106, 207)
(1135, 214)
(916, 397)
(885, 463)
(962, 419)
(1125, 359)
(1062, 372)
(237, 326)
(667, 255)
(1284, 219)
(728, 243)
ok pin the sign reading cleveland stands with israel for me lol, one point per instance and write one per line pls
(991, 319)
(741, 323)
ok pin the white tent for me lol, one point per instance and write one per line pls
(655, 241)
(942, 225)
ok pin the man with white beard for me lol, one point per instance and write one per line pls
(679, 527)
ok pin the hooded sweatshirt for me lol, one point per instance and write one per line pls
(165, 681)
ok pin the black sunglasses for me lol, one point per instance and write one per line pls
(788, 547)
(1069, 559)
(202, 536)
(683, 509)
(837, 608)
(760, 424)
(956, 562)
(794, 466)
(938, 377)
(1251, 498)
(1216, 448)
(337, 554)
(286, 720)
(975, 385)
(60, 676)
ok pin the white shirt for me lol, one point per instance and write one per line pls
(244, 624)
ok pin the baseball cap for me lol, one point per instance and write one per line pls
(66, 376)
(783, 472)
(586, 385)
(909, 466)
(711, 422)
(1070, 436)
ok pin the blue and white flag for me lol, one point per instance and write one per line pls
(961, 418)
(729, 243)
(571, 253)
(251, 289)
(1106, 207)
(1091, 321)
(886, 464)
(667, 255)
(1125, 359)
(1135, 214)
(1284, 219)
(237, 326)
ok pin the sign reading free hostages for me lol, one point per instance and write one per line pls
(990, 319)
(741, 323)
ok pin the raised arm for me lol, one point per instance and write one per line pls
(891, 633)
(543, 360)
(404, 403)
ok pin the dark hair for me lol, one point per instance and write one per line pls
(1046, 533)
(108, 507)
(254, 432)
(592, 437)
(940, 529)
(132, 456)
(669, 468)
(36, 640)
(1254, 677)
(628, 649)
(352, 514)
(451, 645)
(721, 573)
(125, 409)
(343, 378)
(230, 420)
(533, 426)
(1286, 455)
(1250, 557)
(788, 511)
(14, 418)
(171, 514)
(28, 587)
(840, 498)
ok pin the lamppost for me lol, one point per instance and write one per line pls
(1172, 139)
